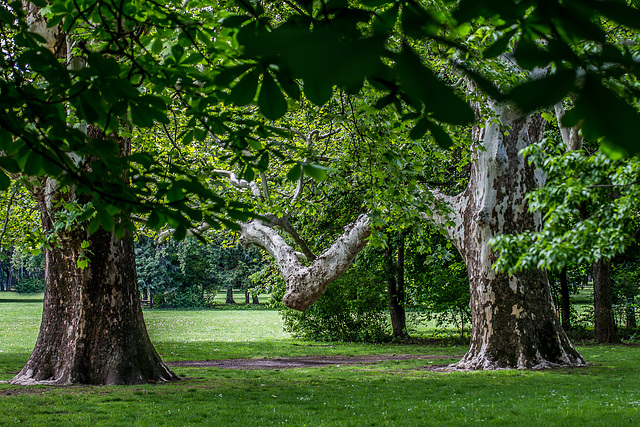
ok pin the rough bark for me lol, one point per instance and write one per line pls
(514, 322)
(566, 301)
(604, 324)
(92, 329)
(305, 284)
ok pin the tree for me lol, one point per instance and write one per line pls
(269, 63)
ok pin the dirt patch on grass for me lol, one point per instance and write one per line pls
(304, 361)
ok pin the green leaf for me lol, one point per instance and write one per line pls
(271, 101)
(543, 92)
(419, 129)
(235, 21)
(606, 115)
(422, 86)
(245, 90)
(316, 172)
(294, 173)
(318, 93)
(106, 220)
(619, 12)
(500, 45)
(225, 77)
(82, 263)
(441, 137)
(5, 181)
(94, 225)
(289, 85)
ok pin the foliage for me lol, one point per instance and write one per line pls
(441, 291)
(353, 309)
(189, 273)
(589, 203)
(147, 59)
(30, 286)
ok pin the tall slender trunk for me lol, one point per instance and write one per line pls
(604, 330)
(395, 289)
(565, 300)
(514, 322)
(246, 296)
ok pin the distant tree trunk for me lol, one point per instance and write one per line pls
(246, 296)
(514, 323)
(631, 316)
(9, 277)
(255, 299)
(230, 299)
(604, 330)
(151, 303)
(2, 268)
(395, 289)
(565, 301)
(145, 294)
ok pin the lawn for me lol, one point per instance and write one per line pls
(387, 393)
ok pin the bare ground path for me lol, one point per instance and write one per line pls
(304, 361)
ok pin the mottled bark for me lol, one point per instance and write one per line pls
(305, 284)
(92, 329)
(604, 324)
(514, 322)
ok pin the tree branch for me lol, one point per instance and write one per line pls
(304, 285)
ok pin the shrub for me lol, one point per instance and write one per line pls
(354, 308)
(30, 286)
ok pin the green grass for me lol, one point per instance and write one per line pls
(394, 393)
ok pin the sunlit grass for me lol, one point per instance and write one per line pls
(398, 393)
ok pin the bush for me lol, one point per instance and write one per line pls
(354, 309)
(30, 286)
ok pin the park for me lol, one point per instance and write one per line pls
(325, 212)
(393, 391)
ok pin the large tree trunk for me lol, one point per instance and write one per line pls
(92, 329)
(604, 330)
(514, 322)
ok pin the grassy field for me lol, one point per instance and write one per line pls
(387, 393)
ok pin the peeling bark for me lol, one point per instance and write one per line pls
(305, 284)
(514, 322)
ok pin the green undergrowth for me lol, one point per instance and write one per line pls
(396, 392)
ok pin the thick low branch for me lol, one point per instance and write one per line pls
(305, 284)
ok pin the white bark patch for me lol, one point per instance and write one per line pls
(518, 312)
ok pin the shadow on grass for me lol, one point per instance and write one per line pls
(34, 300)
